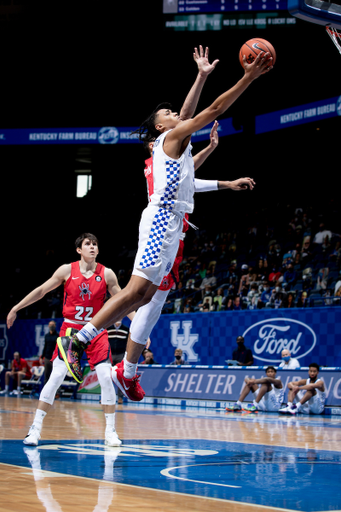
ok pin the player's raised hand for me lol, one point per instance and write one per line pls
(262, 64)
(201, 58)
(214, 137)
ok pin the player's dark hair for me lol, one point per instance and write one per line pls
(79, 241)
(147, 131)
(271, 368)
(314, 365)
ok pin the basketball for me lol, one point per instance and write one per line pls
(253, 47)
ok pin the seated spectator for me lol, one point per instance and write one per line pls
(274, 275)
(242, 354)
(303, 300)
(148, 357)
(288, 362)
(229, 303)
(322, 279)
(265, 296)
(290, 301)
(328, 299)
(244, 278)
(268, 393)
(205, 305)
(178, 357)
(289, 277)
(218, 299)
(209, 280)
(237, 305)
(19, 371)
(306, 395)
(261, 270)
(321, 234)
(306, 251)
(188, 308)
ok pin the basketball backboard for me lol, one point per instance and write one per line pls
(317, 11)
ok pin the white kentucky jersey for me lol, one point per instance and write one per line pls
(321, 395)
(173, 179)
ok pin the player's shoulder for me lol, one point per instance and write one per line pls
(109, 275)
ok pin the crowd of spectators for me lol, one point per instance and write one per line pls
(296, 265)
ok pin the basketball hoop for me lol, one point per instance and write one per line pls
(335, 36)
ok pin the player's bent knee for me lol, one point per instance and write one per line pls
(108, 394)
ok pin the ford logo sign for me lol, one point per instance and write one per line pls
(271, 336)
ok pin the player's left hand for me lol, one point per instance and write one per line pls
(201, 58)
(214, 137)
(242, 184)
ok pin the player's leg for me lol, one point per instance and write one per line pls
(140, 330)
(20, 376)
(7, 380)
(46, 400)
(291, 399)
(108, 401)
(259, 394)
(303, 399)
(248, 387)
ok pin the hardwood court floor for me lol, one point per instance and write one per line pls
(171, 459)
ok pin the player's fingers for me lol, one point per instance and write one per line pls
(215, 63)
(201, 51)
(206, 52)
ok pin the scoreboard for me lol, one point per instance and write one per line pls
(216, 6)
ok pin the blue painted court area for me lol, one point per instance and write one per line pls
(288, 478)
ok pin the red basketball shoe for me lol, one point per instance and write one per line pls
(131, 388)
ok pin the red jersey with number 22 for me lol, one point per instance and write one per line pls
(84, 297)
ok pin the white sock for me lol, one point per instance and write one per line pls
(110, 421)
(38, 418)
(18, 389)
(255, 403)
(6, 387)
(129, 369)
(289, 404)
(239, 403)
(88, 333)
(298, 405)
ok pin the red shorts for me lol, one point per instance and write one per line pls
(168, 281)
(99, 350)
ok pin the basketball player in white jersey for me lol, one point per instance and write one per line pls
(268, 393)
(306, 395)
(161, 223)
(147, 316)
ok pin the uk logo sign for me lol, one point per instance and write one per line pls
(270, 337)
(185, 340)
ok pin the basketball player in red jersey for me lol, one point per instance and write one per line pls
(85, 286)
(161, 222)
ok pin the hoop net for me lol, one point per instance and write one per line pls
(335, 36)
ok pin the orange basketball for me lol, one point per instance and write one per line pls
(253, 47)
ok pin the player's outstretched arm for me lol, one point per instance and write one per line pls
(200, 157)
(59, 277)
(237, 185)
(204, 69)
(178, 138)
